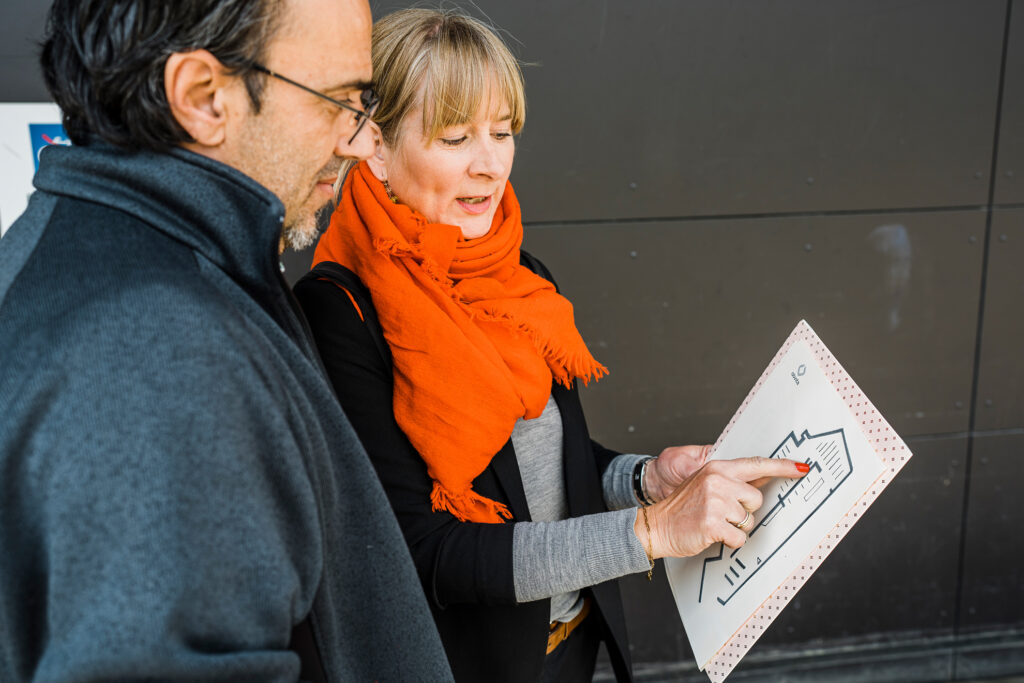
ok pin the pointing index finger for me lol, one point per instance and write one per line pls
(758, 471)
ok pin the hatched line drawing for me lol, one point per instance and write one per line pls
(796, 502)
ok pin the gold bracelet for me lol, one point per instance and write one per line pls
(648, 550)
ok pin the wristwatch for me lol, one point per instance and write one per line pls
(639, 487)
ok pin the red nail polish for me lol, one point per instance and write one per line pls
(803, 467)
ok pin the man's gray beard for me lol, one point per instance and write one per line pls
(303, 233)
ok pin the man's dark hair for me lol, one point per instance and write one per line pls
(103, 61)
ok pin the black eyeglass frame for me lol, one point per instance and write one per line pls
(368, 99)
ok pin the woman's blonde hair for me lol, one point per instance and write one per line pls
(454, 58)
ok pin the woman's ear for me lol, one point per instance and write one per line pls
(200, 96)
(377, 162)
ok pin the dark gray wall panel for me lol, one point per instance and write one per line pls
(1010, 174)
(655, 108)
(1001, 371)
(993, 579)
(21, 28)
(894, 573)
(22, 80)
(687, 314)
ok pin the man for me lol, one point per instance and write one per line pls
(180, 494)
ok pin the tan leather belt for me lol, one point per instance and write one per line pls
(560, 630)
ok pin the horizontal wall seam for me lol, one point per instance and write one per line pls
(1009, 431)
(754, 216)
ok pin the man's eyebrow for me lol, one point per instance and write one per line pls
(351, 85)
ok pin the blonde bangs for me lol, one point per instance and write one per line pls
(458, 64)
(465, 75)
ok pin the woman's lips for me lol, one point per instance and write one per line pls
(474, 205)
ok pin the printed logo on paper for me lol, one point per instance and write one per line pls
(45, 134)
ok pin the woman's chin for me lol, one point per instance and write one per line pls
(478, 226)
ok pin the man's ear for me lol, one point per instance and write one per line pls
(377, 162)
(201, 96)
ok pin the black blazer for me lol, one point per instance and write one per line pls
(466, 568)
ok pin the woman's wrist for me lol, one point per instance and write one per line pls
(652, 482)
(646, 531)
(639, 478)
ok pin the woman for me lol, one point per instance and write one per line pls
(457, 362)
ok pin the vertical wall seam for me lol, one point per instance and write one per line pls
(969, 458)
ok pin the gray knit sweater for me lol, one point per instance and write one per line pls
(554, 556)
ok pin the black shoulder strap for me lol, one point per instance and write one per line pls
(533, 263)
(303, 642)
(350, 282)
(304, 645)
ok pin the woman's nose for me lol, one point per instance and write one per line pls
(488, 160)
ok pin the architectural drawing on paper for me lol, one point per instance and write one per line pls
(796, 502)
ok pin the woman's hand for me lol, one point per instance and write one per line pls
(675, 465)
(706, 508)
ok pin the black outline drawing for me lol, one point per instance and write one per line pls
(826, 469)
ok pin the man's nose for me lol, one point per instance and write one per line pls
(359, 147)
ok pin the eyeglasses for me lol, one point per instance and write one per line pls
(368, 99)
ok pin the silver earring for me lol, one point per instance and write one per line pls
(391, 193)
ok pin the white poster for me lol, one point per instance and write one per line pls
(804, 408)
(24, 130)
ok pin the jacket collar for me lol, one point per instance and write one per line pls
(220, 212)
(584, 494)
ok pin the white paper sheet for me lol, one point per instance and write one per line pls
(24, 128)
(798, 410)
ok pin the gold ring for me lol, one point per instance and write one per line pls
(746, 520)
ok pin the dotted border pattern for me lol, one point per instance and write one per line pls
(889, 447)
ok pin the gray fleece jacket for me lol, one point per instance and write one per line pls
(178, 486)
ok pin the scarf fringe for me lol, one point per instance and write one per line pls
(564, 366)
(468, 505)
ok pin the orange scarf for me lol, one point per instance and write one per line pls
(476, 338)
